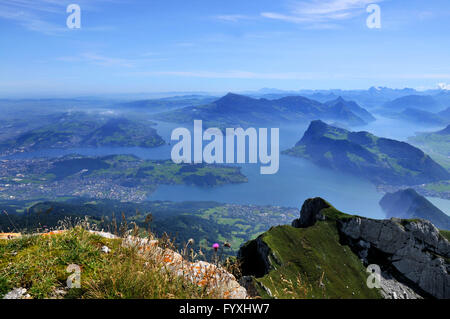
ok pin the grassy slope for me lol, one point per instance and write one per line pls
(364, 153)
(147, 171)
(81, 129)
(39, 264)
(445, 234)
(311, 263)
(443, 186)
(436, 145)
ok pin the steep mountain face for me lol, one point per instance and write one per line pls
(330, 251)
(408, 204)
(353, 107)
(414, 252)
(381, 160)
(234, 109)
(290, 262)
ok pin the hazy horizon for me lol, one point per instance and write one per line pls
(135, 46)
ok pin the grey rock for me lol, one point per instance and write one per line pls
(310, 212)
(414, 248)
(17, 293)
(389, 285)
(106, 250)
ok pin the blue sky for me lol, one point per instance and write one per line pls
(131, 46)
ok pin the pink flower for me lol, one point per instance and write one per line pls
(216, 246)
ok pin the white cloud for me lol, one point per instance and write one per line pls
(36, 15)
(444, 86)
(98, 59)
(141, 60)
(30, 20)
(233, 17)
(321, 11)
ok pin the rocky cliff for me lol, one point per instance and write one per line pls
(413, 251)
(413, 255)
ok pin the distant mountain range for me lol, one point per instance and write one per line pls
(372, 98)
(432, 110)
(381, 160)
(408, 204)
(80, 129)
(234, 109)
(165, 104)
(420, 102)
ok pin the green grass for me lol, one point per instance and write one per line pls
(311, 263)
(445, 234)
(382, 161)
(336, 134)
(436, 145)
(39, 264)
(443, 186)
(332, 213)
(297, 151)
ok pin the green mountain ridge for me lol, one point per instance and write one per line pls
(234, 109)
(383, 161)
(324, 254)
(79, 129)
(353, 107)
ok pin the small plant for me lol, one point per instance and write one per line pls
(136, 265)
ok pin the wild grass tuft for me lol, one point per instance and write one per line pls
(39, 263)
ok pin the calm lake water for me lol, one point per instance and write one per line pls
(296, 180)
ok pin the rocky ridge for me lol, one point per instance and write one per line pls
(411, 252)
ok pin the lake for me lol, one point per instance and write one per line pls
(296, 180)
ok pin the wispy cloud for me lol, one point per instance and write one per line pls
(108, 61)
(321, 12)
(98, 59)
(39, 15)
(30, 20)
(233, 17)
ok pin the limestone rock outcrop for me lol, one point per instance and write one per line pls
(310, 212)
(414, 250)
